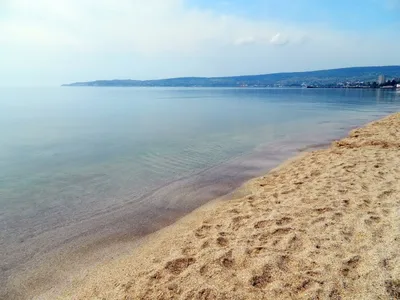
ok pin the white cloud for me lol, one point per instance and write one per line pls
(152, 26)
(71, 40)
(279, 39)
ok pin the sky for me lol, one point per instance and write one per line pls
(50, 42)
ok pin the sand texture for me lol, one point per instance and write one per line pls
(325, 225)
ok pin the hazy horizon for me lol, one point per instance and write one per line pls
(48, 43)
(189, 76)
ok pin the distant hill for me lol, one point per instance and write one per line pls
(322, 77)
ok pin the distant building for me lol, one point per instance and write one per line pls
(381, 79)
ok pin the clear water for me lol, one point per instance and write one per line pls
(71, 155)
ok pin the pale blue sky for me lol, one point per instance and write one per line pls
(341, 14)
(49, 42)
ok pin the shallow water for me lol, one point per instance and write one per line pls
(78, 163)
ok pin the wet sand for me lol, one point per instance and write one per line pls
(325, 225)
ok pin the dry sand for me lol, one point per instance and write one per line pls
(325, 225)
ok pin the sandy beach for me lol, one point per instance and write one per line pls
(324, 225)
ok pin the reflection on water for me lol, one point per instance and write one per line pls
(77, 160)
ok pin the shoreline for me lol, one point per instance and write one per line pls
(125, 244)
(209, 252)
(90, 249)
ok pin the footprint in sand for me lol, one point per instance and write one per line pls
(253, 252)
(385, 194)
(227, 260)
(281, 231)
(284, 221)
(350, 265)
(372, 220)
(178, 265)
(207, 294)
(202, 231)
(263, 224)
(262, 280)
(238, 222)
(387, 263)
(203, 270)
(305, 285)
(276, 236)
(189, 251)
(222, 242)
(295, 243)
(283, 262)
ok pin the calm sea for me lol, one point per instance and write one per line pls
(79, 165)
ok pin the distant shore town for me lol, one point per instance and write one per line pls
(381, 83)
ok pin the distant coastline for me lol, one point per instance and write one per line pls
(356, 77)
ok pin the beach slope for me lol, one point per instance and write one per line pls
(325, 225)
